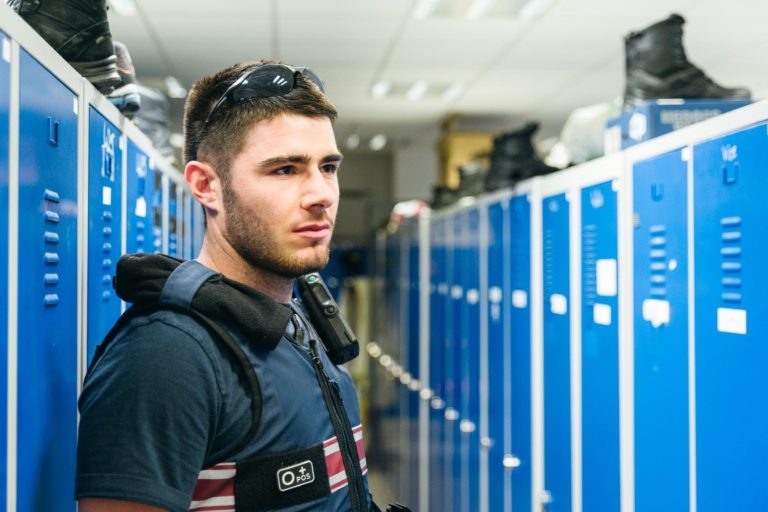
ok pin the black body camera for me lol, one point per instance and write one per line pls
(339, 340)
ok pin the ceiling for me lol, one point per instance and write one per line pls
(512, 69)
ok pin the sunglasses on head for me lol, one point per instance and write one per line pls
(263, 82)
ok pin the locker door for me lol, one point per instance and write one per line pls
(48, 309)
(453, 356)
(158, 212)
(730, 320)
(197, 216)
(499, 378)
(187, 223)
(173, 218)
(600, 348)
(470, 362)
(661, 453)
(437, 333)
(409, 399)
(5, 96)
(140, 221)
(105, 176)
(557, 352)
(518, 438)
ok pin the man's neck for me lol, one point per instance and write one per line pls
(233, 267)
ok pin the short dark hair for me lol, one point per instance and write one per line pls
(223, 137)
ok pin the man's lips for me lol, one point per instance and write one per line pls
(316, 230)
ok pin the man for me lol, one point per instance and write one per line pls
(176, 415)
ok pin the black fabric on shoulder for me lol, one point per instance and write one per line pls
(140, 279)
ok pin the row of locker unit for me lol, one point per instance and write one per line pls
(79, 186)
(592, 340)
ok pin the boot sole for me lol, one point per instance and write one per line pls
(126, 99)
(101, 73)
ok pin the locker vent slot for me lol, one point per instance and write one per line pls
(659, 264)
(731, 252)
(51, 237)
(589, 264)
(548, 262)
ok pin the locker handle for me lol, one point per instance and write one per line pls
(53, 132)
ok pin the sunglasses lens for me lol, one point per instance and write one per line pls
(264, 82)
(307, 72)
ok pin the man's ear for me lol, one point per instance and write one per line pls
(204, 184)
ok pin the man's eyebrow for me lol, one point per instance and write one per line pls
(299, 159)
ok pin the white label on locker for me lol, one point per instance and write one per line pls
(74, 105)
(612, 139)
(456, 291)
(6, 50)
(473, 296)
(638, 125)
(607, 277)
(494, 294)
(141, 207)
(601, 314)
(106, 196)
(519, 299)
(656, 311)
(732, 321)
(558, 304)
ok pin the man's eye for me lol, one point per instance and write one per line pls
(330, 168)
(282, 171)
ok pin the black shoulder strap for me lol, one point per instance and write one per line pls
(177, 296)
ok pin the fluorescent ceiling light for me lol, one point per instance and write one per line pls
(534, 8)
(378, 142)
(124, 7)
(381, 89)
(424, 8)
(417, 90)
(479, 8)
(175, 89)
(453, 91)
(353, 141)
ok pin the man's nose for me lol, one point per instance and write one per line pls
(320, 190)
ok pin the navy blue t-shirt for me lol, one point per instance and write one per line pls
(164, 401)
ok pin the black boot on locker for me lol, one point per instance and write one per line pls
(126, 94)
(442, 196)
(471, 179)
(514, 158)
(79, 31)
(657, 67)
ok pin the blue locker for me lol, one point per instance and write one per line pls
(197, 227)
(437, 330)
(557, 352)
(469, 358)
(105, 224)
(48, 309)
(730, 319)
(413, 359)
(453, 364)
(173, 219)
(660, 192)
(518, 445)
(509, 354)
(409, 238)
(499, 386)
(600, 348)
(159, 228)
(5, 96)
(187, 225)
(140, 195)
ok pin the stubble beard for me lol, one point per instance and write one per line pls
(249, 235)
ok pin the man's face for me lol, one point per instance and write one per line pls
(281, 201)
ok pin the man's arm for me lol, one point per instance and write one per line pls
(104, 505)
